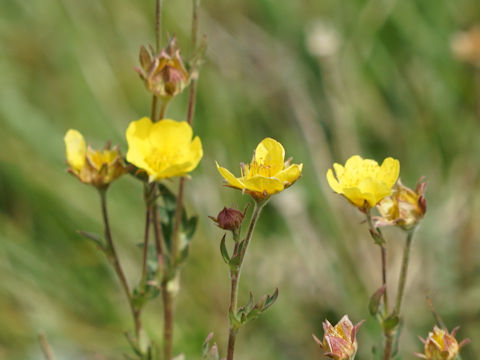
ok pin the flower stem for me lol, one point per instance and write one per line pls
(158, 24)
(235, 275)
(46, 348)
(380, 241)
(114, 259)
(193, 86)
(404, 271)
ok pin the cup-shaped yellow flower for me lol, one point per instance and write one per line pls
(441, 345)
(362, 181)
(163, 149)
(95, 167)
(267, 174)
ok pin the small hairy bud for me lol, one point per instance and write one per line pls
(229, 219)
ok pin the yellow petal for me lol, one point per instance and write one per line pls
(353, 162)
(355, 196)
(333, 182)
(270, 153)
(75, 149)
(195, 153)
(170, 135)
(389, 171)
(262, 184)
(339, 171)
(138, 144)
(376, 190)
(230, 178)
(290, 174)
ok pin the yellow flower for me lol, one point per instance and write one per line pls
(96, 167)
(267, 174)
(441, 345)
(163, 149)
(362, 181)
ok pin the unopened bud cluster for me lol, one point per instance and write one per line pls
(164, 74)
(339, 341)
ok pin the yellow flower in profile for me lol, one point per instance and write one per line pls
(441, 345)
(163, 149)
(362, 181)
(96, 167)
(267, 174)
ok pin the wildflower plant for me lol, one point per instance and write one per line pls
(367, 185)
(159, 149)
(266, 175)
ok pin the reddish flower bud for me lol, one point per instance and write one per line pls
(229, 219)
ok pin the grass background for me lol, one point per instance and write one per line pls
(389, 86)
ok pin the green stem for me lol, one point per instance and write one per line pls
(235, 275)
(380, 241)
(158, 24)
(114, 259)
(404, 271)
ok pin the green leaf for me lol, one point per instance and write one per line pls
(236, 323)
(224, 251)
(97, 239)
(391, 322)
(270, 300)
(189, 226)
(169, 198)
(375, 300)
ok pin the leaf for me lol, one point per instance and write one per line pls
(169, 198)
(189, 226)
(224, 251)
(270, 300)
(375, 300)
(391, 322)
(236, 323)
(97, 239)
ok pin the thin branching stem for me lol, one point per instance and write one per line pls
(114, 259)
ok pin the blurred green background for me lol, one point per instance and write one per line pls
(328, 79)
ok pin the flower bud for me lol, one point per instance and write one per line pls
(404, 208)
(95, 167)
(164, 75)
(441, 345)
(229, 219)
(339, 341)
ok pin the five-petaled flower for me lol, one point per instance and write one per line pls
(441, 345)
(404, 208)
(267, 174)
(362, 181)
(95, 167)
(339, 341)
(163, 149)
